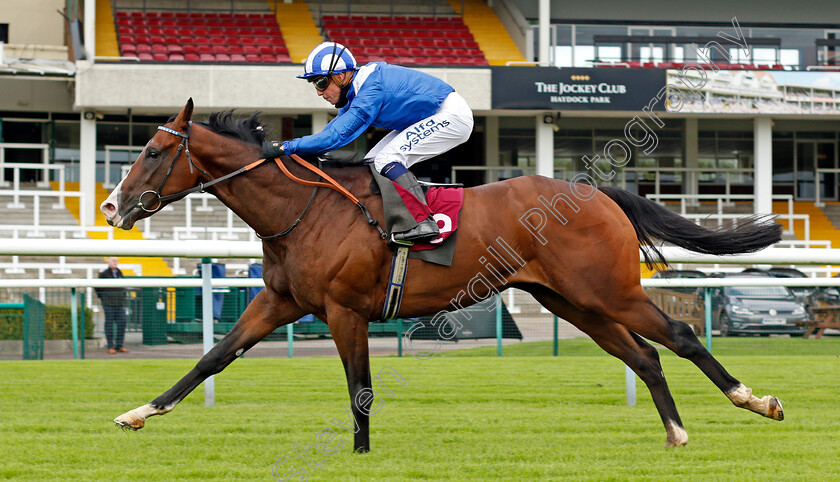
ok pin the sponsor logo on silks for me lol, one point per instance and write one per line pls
(422, 131)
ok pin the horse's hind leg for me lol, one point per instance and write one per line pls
(630, 348)
(680, 338)
(640, 315)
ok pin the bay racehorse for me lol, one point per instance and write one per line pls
(575, 248)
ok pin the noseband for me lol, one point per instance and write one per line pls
(183, 146)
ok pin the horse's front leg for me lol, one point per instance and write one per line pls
(350, 334)
(264, 314)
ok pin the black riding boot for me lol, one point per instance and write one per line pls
(425, 230)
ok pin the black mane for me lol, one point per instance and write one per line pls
(250, 130)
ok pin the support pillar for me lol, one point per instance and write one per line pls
(545, 31)
(690, 155)
(763, 150)
(87, 171)
(89, 29)
(545, 146)
(491, 147)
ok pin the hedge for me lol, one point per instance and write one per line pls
(57, 323)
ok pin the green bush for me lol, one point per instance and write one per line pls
(57, 323)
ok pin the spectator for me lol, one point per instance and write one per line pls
(113, 302)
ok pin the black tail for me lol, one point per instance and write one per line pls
(653, 222)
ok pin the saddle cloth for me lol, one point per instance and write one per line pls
(445, 202)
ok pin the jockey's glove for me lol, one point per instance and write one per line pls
(272, 149)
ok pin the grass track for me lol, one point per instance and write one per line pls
(457, 418)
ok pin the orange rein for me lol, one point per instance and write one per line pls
(332, 184)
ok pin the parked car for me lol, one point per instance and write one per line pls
(808, 295)
(756, 310)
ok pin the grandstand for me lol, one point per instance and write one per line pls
(763, 124)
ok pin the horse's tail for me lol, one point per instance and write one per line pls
(653, 222)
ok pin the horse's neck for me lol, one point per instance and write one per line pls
(268, 200)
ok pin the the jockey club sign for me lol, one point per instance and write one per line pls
(575, 89)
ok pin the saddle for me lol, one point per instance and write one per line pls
(444, 199)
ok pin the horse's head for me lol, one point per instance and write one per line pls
(164, 166)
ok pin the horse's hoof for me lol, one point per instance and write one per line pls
(129, 420)
(677, 436)
(775, 411)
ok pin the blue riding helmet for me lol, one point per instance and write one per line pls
(326, 59)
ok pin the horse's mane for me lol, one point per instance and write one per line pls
(250, 129)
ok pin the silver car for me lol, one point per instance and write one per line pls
(757, 310)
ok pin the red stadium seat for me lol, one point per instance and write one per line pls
(284, 59)
(176, 57)
(126, 39)
(174, 49)
(160, 57)
(190, 49)
(237, 58)
(191, 57)
(206, 58)
(252, 58)
(145, 57)
(265, 58)
(158, 49)
(127, 50)
(222, 58)
(144, 48)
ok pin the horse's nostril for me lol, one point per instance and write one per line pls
(108, 208)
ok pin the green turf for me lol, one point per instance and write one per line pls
(456, 418)
(752, 345)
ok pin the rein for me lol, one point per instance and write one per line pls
(184, 146)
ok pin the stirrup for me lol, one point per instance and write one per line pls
(400, 242)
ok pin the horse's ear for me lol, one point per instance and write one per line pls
(184, 116)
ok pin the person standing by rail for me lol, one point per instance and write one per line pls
(113, 303)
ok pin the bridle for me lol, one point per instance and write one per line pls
(184, 146)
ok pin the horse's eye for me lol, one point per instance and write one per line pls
(152, 154)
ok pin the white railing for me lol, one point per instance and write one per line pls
(41, 230)
(17, 167)
(621, 177)
(36, 201)
(106, 183)
(724, 199)
(658, 173)
(45, 157)
(91, 270)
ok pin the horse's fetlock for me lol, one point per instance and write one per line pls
(740, 395)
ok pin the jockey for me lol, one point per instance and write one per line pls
(426, 115)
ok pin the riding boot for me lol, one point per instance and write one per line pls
(426, 229)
